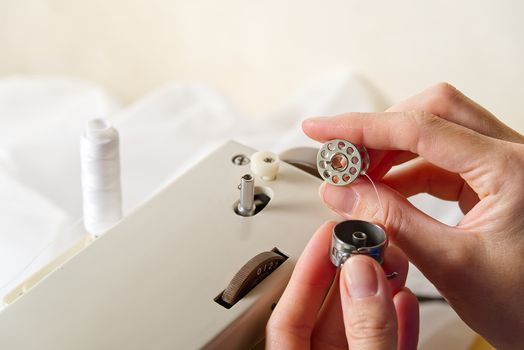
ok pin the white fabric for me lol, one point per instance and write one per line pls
(40, 126)
(40, 123)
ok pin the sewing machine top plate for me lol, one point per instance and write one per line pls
(150, 281)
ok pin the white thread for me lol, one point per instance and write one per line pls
(101, 189)
(378, 196)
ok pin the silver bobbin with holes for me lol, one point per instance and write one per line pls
(340, 162)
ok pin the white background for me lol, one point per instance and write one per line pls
(258, 53)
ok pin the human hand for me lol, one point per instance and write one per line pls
(468, 156)
(362, 308)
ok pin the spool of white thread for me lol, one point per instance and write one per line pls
(101, 190)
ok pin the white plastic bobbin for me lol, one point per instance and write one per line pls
(340, 162)
(264, 164)
(101, 190)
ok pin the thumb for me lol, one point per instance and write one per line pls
(425, 240)
(367, 305)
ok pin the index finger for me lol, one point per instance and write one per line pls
(446, 102)
(443, 143)
(294, 317)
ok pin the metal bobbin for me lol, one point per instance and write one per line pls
(340, 162)
(352, 237)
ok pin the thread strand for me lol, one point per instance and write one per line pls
(378, 196)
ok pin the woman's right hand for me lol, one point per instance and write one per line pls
(468, 156)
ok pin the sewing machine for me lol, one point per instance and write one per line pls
(161, 278)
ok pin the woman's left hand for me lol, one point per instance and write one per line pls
(356, 308)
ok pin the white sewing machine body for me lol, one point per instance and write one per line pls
(151, 281)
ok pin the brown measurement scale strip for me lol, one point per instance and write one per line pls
(251, 274)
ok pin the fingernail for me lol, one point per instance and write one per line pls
(314, 119)
(361, 278)
(339, 198)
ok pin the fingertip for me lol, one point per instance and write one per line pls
(396, 261)
(322, 190)
(328, 226)
(313, 120)
(297, 310)
(307, 124)
(315, 254)
(310, 126)
(406, 298)
(362, 277)
(408, 318)
(367, 305)
(341, 199)
(406, 302)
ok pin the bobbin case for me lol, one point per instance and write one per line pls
(352, 237)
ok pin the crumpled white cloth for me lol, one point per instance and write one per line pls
(40, 120)
(162, 135)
